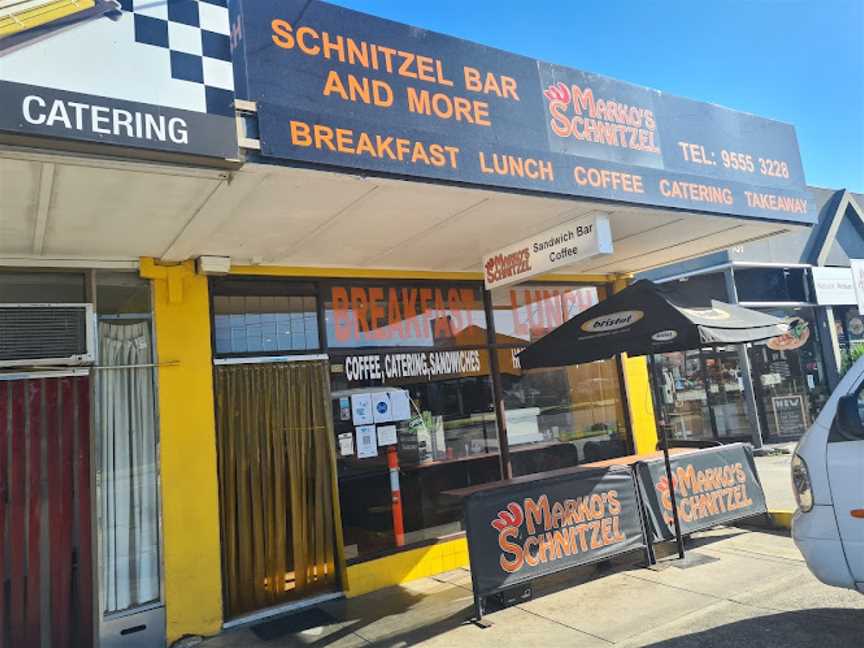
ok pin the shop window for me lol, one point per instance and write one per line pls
(789, 376)
(264, 317)
(527, 312)
(127, 441)
(771, 285)
(42, 287)
(849, 325)
(402, 314)
(444, 437)
(564, 416)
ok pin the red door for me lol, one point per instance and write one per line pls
(45, 532)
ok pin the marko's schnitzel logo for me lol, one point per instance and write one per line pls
(705, 493)
(575, 112)
(504, 266)
(531, 531)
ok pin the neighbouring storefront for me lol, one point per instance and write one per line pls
(288, 347)
(804, 278)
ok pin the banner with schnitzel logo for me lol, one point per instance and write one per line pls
(535, 528)
(712, 486)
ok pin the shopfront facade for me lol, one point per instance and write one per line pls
(804, 278)
(258, 271)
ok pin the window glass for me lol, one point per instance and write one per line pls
(42, 287)
(563, 416)
(122, 293)
(849, 325)
(251, 317)
(788, 375)
(770, 285)
(680, 382)
(404, 314)
(445, 438)
(527, 312)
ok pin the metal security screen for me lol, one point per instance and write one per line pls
(42, 332)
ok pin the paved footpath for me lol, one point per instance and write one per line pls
(737, 589)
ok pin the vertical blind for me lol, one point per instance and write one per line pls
(277, 483)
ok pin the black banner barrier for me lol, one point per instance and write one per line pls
(526, 529)
(713, 486)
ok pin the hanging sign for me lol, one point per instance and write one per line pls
(712, 486)
(548, 251)
(858, 281)
(535, 528)
(834, 286)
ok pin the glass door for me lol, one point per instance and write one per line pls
(726, 392)
(680, 382)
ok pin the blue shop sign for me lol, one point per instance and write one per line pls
(341, 88)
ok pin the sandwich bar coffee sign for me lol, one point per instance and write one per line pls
(551, 250)
(341, 88)
(528, 529)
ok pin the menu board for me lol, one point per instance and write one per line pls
(790, 414)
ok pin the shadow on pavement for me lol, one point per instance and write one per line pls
(827, 627)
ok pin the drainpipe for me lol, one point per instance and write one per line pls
(746, 373)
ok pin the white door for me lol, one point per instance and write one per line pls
(846, 475)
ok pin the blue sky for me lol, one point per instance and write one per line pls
(798, 61)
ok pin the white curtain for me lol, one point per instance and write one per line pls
(128, 467)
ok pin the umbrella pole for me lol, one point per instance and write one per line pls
(664, 441)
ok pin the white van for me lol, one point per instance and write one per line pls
(828, 480)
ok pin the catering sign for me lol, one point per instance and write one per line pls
(143, 75)
(532, 528)
(712, 486)
(548, 251)
(340, 88)
(834, 286)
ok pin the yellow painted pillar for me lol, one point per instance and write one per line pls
(638, 387)
(190, 495)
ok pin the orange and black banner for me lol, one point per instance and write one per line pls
(712, 486)
(528, 529)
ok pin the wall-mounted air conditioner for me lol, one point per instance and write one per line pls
(46, 334)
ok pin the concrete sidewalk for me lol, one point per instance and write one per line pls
(737, 588)
(776, 477)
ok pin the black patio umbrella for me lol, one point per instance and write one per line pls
(647, 318)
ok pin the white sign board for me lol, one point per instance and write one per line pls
(367, 442)
(556, 248)
(834, 286)
(858, 281)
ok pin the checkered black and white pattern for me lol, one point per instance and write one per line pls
(195, 35)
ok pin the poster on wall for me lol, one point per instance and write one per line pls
(361, 409)
(367, 442)
(144, 74)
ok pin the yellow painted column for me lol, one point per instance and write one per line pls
(190, 495)
(638, 387)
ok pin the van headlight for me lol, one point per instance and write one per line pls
(801, 484)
